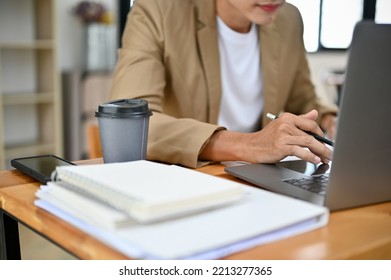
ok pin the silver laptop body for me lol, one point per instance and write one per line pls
(361, 166)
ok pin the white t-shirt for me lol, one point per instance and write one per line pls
(240, 63)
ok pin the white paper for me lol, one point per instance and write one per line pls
(259, 218)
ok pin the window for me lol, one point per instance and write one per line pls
(329, 24)
(383, 8)
(338, 20)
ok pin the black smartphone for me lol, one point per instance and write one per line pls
(39, 167)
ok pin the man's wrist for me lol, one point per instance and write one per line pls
(223, 145)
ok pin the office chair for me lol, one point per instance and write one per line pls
(93, 141)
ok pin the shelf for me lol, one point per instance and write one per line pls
(28, 45)
(30, 97)
(27, 98)
(29, 149)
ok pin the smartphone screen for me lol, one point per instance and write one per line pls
(39, 167)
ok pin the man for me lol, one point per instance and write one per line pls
(211, 70)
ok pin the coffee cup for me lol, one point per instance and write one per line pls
(123, 128)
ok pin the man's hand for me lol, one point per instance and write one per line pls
(282, 137)
(329, 124)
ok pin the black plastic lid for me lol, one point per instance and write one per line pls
(124, 108)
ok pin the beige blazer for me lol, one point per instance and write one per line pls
(170, 57)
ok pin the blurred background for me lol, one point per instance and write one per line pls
(56, 62)
(57, 59)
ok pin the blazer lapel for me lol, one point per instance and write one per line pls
(270, 53)
(209, 54)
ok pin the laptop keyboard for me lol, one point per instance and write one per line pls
(315, 183)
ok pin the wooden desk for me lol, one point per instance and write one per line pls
(361, 233)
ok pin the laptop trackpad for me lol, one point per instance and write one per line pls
(305, 167)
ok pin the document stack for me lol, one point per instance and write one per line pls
(151, 210)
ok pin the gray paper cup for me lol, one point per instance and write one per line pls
(123, 127)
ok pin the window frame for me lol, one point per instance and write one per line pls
(369, 12)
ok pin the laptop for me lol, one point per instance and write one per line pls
(360, 173)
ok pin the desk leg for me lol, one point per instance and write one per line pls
(9, 238)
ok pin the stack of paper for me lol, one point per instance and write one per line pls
(247, 218)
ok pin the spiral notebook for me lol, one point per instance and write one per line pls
(147, 191)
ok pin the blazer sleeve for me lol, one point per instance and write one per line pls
(141, 73)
